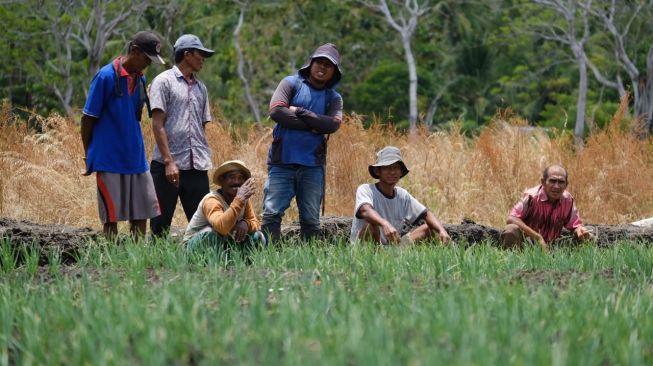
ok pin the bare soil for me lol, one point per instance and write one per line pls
(561, 279)
(471, 233)
(68, 241)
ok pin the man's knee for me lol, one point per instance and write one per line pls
(422, 232)
(259, 239)
(275, 207)
(272, 230)
(511, 236)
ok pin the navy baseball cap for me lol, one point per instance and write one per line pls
(191, 41)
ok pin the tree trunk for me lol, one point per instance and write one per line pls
(644, 104)
(241, 69)
(65, 99)
(412, 86)
(10, 93)
(65, 93)
(430, 113)
(579, 129)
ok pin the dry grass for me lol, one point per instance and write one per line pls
(457, 177)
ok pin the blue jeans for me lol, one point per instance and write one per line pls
(306, 184)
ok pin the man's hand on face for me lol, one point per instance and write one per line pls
(246, 190)
(240, 232)
(582, 233)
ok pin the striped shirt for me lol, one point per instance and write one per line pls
(547, 218)
(186, 105)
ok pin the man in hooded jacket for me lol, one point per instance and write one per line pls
(305, 107)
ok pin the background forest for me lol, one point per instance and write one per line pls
(557, 63)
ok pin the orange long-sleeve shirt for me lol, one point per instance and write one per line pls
(224, 220)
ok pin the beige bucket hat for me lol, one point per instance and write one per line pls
(385, 157)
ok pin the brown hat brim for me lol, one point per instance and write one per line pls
(227, 167)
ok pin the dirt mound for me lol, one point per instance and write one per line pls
(337, 226)
(470, 233)
(331, 226)
(609, 234)
(65, 240)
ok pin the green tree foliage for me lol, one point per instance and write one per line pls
(473, 57)
(384, 92)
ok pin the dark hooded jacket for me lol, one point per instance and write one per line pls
(329, 51)
(298, 138)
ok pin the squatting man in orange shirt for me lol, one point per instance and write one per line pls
(385, 213)
(225, 217)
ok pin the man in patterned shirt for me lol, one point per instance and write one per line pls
(543, 211)
(180, 110)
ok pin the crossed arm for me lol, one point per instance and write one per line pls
(302, 119)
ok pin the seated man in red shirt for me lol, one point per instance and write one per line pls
(543, 211)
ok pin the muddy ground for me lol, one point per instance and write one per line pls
(67, 241)
(472, 233)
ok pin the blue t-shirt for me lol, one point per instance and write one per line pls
(117, 141)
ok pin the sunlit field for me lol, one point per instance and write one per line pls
(149, 304)
(327, 302)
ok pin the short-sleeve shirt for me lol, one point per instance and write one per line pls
(186, 106)
(548, 219)
(402, 210)
(117, 141)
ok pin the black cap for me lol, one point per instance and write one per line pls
(150, 44)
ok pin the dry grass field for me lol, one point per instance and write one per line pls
(457, 177)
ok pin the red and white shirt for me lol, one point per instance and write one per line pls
(548, 219)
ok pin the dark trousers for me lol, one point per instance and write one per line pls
(193, 186)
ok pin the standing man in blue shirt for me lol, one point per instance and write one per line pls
(113, 140)
(305, 107)
(180, 110)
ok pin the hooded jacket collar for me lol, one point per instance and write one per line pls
(329, 51)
